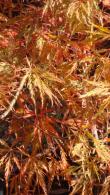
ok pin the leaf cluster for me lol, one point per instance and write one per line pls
(54, 96)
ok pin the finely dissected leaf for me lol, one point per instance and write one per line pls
(101, 89)
(101, 149)
(103, 29)
(77, 149)
(8, 169)
(39, 82)
(3, 160)
(97, 91)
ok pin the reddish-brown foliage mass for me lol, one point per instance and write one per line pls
(54, 97)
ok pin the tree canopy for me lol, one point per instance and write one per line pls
(55, 97)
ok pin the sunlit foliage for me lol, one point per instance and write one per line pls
(55, 96)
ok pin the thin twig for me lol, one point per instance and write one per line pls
(16, 96)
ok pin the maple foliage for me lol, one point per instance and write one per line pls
(54, 96)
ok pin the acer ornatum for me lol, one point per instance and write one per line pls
(50, 121)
